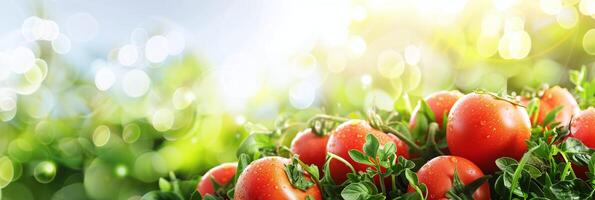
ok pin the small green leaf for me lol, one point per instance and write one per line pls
(551, 116)
(371, 145)
(359, 157)
(313, 171)
(389, 149)
(359, 191)
(504, 162)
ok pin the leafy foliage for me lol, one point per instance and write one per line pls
(584, 89)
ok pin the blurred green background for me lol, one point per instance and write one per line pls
(100, 99)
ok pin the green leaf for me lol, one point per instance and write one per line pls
(427, 111)
(533, 110)
(387, 150)
(360, 191)
(571, 189)
(371, 146)
(551, 116)
(359, 157)
(504, 162)
(313, 171)
(413, 181)
(592, 169)
(254, 144)
(577, 152)
(243, 161)
(464, 192)
(402, 165)
(296, 176)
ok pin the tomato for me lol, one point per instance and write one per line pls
(310, 148)
(583, 128)
(265, 178)
(352, 135)
(438, 175)
(483, 128)
(440, 103)
(222, 174)
(552, 98)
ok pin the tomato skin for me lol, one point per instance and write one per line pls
(583, 128)
(438, 175)
(552, 98)
(440, 103)
(352, 135)
(482, 129)
(222, 174)
(310, 147)
(265, 178)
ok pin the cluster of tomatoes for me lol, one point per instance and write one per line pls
(478, 128)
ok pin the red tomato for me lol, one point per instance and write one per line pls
(222, 174)
(352, 135)
(310, 147)
(552, 98)
(438, 175)
(482, 129)
(583, 128)
(265, 178)
(440, 103)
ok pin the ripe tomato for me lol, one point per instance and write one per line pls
(552, 98)
(438, 175)
(440, 103)
(352, 135)
(265, 178)
(482, 128)
(583, 128)
(310, 147)
(222, 174)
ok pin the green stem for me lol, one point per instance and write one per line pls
(394, 182)
(432, 137)
(380, 177)
(401, 136)
(334, 156)
(567, 167)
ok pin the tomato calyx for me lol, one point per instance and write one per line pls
(460, 191)
(501, 96)
(322, 124)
